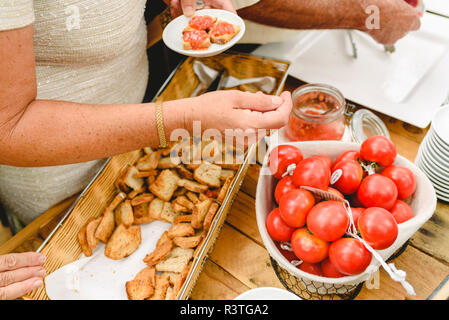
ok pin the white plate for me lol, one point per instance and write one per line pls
(440, 125)
(436, 147)
(436, 181)
(172, 34)
(437, 169)
(267, 293)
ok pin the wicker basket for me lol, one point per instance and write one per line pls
(61, 247)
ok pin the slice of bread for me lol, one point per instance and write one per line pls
(165, 185)
(176, 260)
(106, 226)
(123, 242)
(222, 32)
(208, 174)
(124, 214)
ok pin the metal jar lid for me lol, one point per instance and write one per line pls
(365, 124)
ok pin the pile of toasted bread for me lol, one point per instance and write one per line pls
(168, 185)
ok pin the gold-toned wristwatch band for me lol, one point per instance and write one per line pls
(160, 125)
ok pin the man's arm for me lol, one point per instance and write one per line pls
(396, 17)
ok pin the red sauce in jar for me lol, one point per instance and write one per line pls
(195, 38)
(222, 28)
(316, 115)
(201, 22)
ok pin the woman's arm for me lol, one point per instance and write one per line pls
(396, 16)
(42, 133)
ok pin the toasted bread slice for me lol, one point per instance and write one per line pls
(123, 242)
(155, 209)
(187, 242)
(142, 198)
(222, 32)
(159, 253)
(142, 287)
(192, 186)
(225, 173)
(169, 293)
(163, 238)
(181, 230)
(165, 185)
(116, 201)
(168, 214)
(160, 288)
(106, 226)
(195, 40)
(130, 181)
(210, 216)
(124, 214)
(91, 227)
(176, 260)
(199, 213)
(168, 163)
(183, 201)
(183, 218)
(82, 239)
(171, 276)
(200, 23)
(224, 189)
(180, 281)
(183, 172)
(146, 174)
(192, 197)
(149, 162)
(142, 214)
(176, 207)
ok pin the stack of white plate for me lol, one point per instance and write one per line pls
(433, 154)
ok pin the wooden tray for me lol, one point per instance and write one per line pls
(61, 246)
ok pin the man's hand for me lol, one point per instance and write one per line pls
(396, 18)
(20, 273)
(188, 7)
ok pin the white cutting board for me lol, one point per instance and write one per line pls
(408, 85)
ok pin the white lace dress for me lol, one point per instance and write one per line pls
(87, 51)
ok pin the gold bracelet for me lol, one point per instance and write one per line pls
(160, 125)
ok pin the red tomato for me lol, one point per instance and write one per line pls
(277, 228)
(284, 185)
(403, 178)
(312, 268)
(328, 220)
(379, 149)
(347, 155)
(329, 270)
(335, 192)
(349, 256)
(281, 157)
(378, 228)
(377, 191)
(294, 207)
(351, 176)
(356, 212)
(312, 172)
(401, 211)
(308, 247)
(327, 160)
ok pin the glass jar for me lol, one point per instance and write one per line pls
(318, 114)
(365, 124)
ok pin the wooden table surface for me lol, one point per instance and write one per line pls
(240, 262)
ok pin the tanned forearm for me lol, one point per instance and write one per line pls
(58, 132)
(309, 14)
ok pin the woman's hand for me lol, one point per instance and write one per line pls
(233, 109)
(188, 7)
(20, 273)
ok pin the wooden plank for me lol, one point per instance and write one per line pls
(442, 292)
(433, 237)
(243, 217)
(31, 231)
(244, 259)
(5, 234)
(424, 273)
(215, 283)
